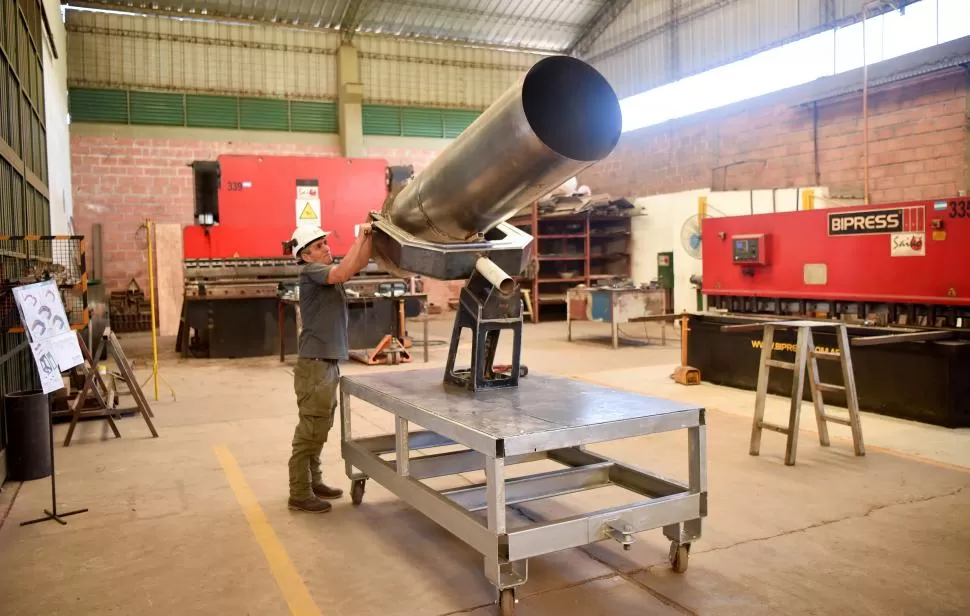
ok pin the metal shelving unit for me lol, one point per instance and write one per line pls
(573, 249)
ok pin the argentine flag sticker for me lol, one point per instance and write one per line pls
(939, 205)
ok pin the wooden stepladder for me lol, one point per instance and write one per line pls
(95, 388)
(806, 357)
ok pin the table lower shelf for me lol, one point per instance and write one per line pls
(665, 502)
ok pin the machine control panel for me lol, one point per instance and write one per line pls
(749, 249)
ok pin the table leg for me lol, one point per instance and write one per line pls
(184, 332)
(569, 319)
(697, 474)
(401, 448)
(281, 318)
(697, 453)
(495, 481)
(425, 332)
(346, 434)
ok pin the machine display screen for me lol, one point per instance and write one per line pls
(747, 250)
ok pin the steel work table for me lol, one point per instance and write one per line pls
(546, 417)
(616, 306)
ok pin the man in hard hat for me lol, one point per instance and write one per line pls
(323, 343)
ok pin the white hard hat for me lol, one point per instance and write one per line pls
(304, 236)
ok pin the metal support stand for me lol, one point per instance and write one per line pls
(806, 357)
(486, 311)
(52, 513)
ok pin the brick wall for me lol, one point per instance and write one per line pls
(119, 181)
(917, 147)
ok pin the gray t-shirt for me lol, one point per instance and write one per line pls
(323, 307)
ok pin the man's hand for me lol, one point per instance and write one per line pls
(365, 229)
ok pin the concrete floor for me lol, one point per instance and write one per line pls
(195, 522)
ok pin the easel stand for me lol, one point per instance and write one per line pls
(52, 512)
(95, 387)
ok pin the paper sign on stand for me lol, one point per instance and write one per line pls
(66, 351)
(47, 368)
(52, 341)
(41, 310)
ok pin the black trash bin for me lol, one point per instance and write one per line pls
(27, 422)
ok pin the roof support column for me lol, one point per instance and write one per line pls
(349, 99)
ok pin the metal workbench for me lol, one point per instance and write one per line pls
(616, 306)
(545, 417)
(371, 318)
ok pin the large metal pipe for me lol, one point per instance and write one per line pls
(558, 119)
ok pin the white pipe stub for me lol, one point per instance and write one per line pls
(495, 275)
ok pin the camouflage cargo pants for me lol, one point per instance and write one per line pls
(316, 385)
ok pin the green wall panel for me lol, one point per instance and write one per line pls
(212, 111)
(456, 121)
(103, 106)
(263, 114)
(421, 123)
(312, 117)
(159, 108)
(381, 120)
(203, 111)
(416, 121)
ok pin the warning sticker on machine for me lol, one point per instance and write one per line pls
(306, 192)
(308, 203)
(908, 244)
(308, 212)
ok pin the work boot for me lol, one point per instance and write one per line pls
(311, 505)
(325, 491)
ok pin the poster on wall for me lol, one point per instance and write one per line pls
(53, 343)
(308, 204)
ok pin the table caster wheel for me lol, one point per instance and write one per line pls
(506, 602)
(679, 556)
(357, 491)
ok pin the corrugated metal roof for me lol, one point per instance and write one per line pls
(650, 43)
(540, 25)
(638, 44)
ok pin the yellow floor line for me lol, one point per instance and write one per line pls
(294, 591)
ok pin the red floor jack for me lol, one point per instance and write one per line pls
(390, 350)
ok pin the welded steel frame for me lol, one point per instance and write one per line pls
(398, 251)
(675, 507)
(486, 313)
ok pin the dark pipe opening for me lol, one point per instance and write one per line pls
(572, 108)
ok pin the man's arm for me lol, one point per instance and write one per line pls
(356, 259)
